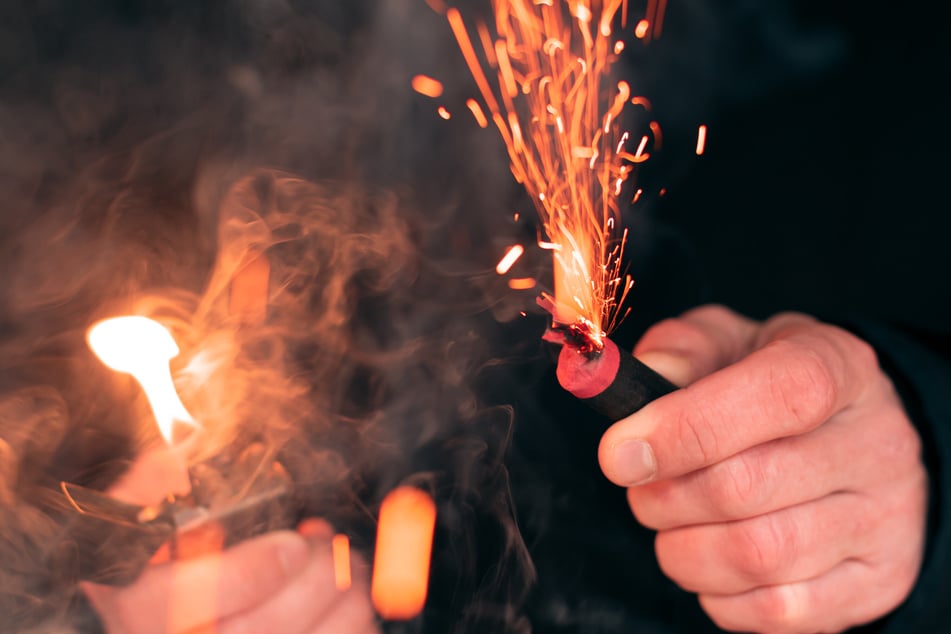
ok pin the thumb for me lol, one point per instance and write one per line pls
(697, 343)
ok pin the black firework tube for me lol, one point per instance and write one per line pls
(611, 381)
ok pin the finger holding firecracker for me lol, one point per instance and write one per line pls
(785, 480)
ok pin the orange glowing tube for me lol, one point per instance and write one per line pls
(404, 543)
(341, 554)
(427, 86)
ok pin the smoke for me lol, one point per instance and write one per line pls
(149, 149)
(152, 149)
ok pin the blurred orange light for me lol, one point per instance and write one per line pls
(427, 86)
(341, 554)
(404, 543)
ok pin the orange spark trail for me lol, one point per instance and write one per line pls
(444, 113)
(476, 110)
(509, 259)
(522, 283)
(427, 86)
(701, 139)
(641, 29)
(558, 112)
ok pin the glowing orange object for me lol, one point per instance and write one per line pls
(426, 86)
(551, 102)
(640, 31)
(437, 5)
(445, 114)
(477, 113)
(701, 139)
(404, 543)
(142, 347)
(509, 259)
(522, 283)
(341, 553)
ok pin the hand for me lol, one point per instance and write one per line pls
(278, 582)
(785, 481)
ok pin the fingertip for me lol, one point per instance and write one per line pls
(315, 528)
(627, 462)
(289, 550)
(676, 368)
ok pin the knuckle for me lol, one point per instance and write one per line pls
(649, 504)
(761, 548)
(733, 486)
(696, 441)
(715, 313)
(803, 384)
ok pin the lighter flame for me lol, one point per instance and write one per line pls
(142, 347)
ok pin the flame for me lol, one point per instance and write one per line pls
(143, 348)
(558, 113)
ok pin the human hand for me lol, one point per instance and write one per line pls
(278, 582)
(785, 481)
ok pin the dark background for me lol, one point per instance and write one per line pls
(822, 189)
(823, 185)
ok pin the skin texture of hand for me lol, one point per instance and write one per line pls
(785, 481)
(278, 582)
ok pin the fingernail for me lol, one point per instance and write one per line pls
(634, 462)
(292, 553)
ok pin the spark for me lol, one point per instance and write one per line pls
(562, 134)
(477, 113)
(522, 283)
(444, 113)
(427, 86)
(509, 259)
(701, 139)
(640, 31)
